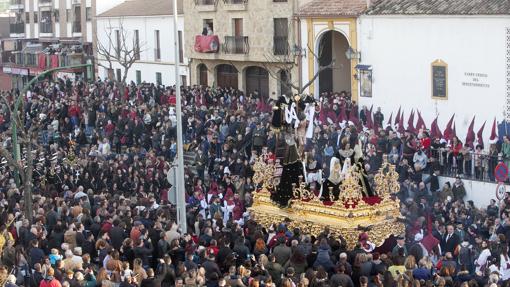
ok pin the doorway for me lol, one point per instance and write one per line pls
(332, 48)
(227, 76)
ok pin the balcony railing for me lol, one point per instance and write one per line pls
(17, 28)
(281, 45)
(16, 4)
(46, 27)
(206, 2)
(76, 27)
(235, 1)
(236, 45)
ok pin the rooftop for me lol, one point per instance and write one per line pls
(332, 8)
(143, 8)
(440, 7)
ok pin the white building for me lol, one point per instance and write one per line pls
(470, 39)
(150, 25)
(396, 43)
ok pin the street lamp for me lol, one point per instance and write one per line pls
(180, 190)
(352, 54)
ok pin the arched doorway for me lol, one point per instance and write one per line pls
(284, 77)
(332, 47)
(202, 75)
(257, 79)
(226, 76)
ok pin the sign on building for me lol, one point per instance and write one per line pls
(439, 80)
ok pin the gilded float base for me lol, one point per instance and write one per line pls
(379, 221)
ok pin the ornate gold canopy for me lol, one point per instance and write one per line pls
(348, 216)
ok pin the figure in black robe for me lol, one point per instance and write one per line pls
(279, 112)
(292, 169)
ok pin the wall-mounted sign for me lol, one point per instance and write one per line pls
(19, 71)
(365, 80)
(439, 80)
(477, 80)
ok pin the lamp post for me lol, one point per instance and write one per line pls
(352, 54)
(180, 200)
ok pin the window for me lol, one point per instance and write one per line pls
(138, 77)
(181, 52)
(281, 35)
(137, 45)
(117, 39)
(88, 14)
(158, 78)
(68, 15)
(208, 27)
(36, 17)
(184, 81)
(279, 0)
(157, 51)
(27, 17)
(119, 78)
(56, 14)
(237, 28)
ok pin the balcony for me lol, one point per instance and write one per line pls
(45, 3)
(17, 29)
(206, 5)
(46, 29)
(207, 44)
(281, 45)
(17, 5)
(76, 27)
(235, 5)
(236, 45)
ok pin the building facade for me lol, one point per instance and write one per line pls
(245, 44)
(148, 25)
(329, 29)
(438, 59)
(48, 34)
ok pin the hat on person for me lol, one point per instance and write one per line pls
(78, 251)
(290, 271)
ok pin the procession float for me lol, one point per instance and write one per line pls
(347, 201)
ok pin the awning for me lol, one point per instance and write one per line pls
(363, 67)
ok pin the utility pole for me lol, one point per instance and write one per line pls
(180, 190)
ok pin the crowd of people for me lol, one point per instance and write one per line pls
(102, 216)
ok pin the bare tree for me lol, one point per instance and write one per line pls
(105, 50)
(286, 63)
(27, 130)
(124, 49)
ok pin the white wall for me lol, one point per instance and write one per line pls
(479, 192)
(147, 64)
(402, 48)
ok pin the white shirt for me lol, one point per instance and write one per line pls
(504, 268)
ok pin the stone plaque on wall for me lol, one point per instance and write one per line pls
(439, 80)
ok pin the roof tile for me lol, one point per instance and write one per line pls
(325, 8)
(440, 7)
(143, 8)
